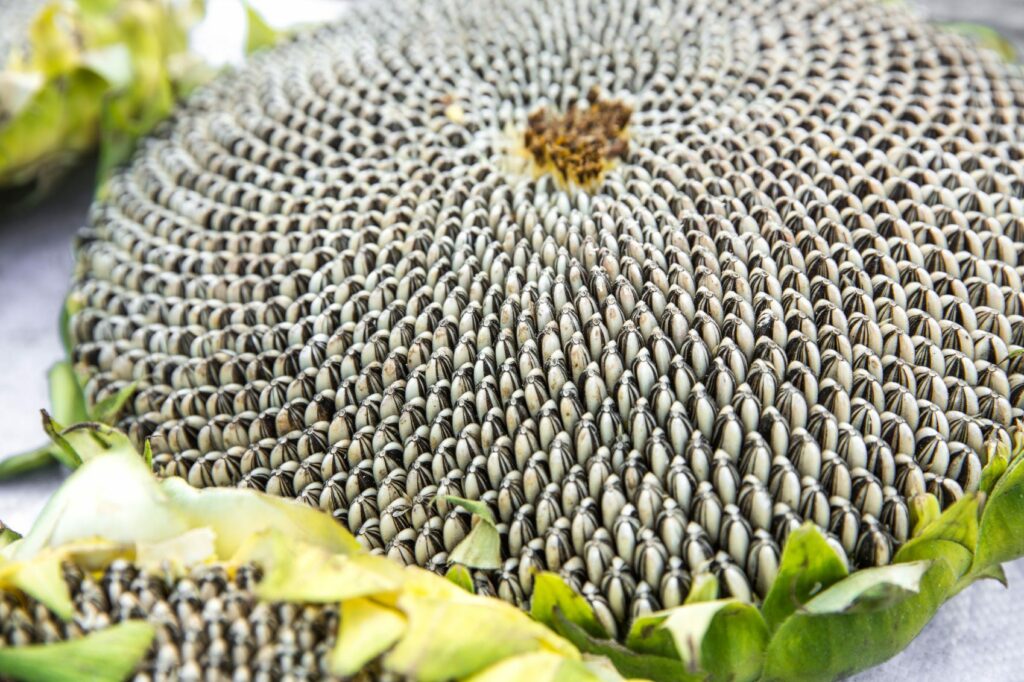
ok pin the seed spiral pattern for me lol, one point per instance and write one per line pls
(797, 297)
(209, 624)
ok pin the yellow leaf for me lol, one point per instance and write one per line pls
(188, 549)
(42, 578)
(298, 572)
(235, 516)
(108, 655)
(449, 638)
(367, 629)
(541, 666)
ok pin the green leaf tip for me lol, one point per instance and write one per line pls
(107, 410)
(22, 463)
(551, 593)
(720, 639)
(628, 662)
(108, 655)
(858, 622)
(809, 564)
(67, 401)
(475, 507)
(481, 548)
(923, 510)
(85, 440)
(1002, 516)
(459, 575)
(7, 536)
(259, 34)
(704, 588)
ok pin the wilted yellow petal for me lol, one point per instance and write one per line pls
(540, 666)
(236, 515)
(188, 549)
(295, 571)
(114, 497)
(367, 629)
(481, 548)
(42, 578)
(455, 638)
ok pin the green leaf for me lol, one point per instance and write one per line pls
(366, 630)
(923, 510)
(72, 304)
(86, 440)
(107, 655)
(958, 523)
(950, 538)
(995, 572)
(13, 466)
(66, 398)
(7, 536)
(870, 589)
(459, 575)
(630, 663)
(260, 34)
(550, 593)
(999, 535)
(50, 130)
(112, 62)
(481, 548)
(809, 565)
(62, 450)
(106, 410)
(860, 621)
(54, 51)
(724, 639)
(997, 465)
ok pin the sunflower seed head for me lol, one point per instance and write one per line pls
(658, 363)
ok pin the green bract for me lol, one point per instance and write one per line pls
(91, 72)
(817, 622)
(121, 62)
(411, 621)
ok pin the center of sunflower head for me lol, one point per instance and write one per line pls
(578, 146)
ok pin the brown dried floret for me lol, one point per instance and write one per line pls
(581, 144)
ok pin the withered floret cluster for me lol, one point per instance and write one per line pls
(581, 144)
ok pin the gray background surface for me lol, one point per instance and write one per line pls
(976, 636)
